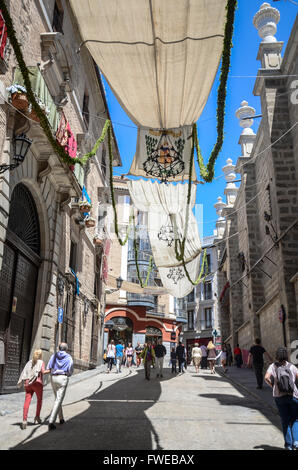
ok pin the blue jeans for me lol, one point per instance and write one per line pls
(288, 410)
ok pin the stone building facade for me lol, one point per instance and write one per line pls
(259, 257)
(49, 258)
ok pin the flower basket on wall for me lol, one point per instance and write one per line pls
(84, 206)
(18, 96)
(90, 222)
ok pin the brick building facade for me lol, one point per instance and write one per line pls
(259, 259)
(62, 268)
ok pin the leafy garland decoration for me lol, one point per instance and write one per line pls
(207, 173)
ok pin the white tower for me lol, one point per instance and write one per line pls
(221, 221)
(265, 21)
(247, 136)
(230, 189)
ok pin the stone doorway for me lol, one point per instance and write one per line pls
(18, 281)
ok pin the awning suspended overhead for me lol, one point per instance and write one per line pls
(160, 57)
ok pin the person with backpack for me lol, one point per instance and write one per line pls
(282, 377)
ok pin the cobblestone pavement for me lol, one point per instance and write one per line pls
(126, 412)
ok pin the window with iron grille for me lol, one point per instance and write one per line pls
(73, 256)
(85, 109)
(58, 17)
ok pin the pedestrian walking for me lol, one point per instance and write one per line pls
(229, 355)
(211, 356)
(60, 367)
(148, 356)
(119, 356)
(238, 356)
(180, 352)
(111, 355)
(255, 359)
(129, 355)
(160, 352)
(196, 356)
(204, 363)
(138, 350)
(32, 379)
(282, 377)
(174, 361)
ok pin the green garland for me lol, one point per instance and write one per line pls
(207, 173)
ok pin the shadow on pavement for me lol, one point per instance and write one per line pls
(110, 422)
(246, 401)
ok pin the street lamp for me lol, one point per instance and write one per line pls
(119, 282)
(21, 146)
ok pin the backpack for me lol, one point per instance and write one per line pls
(285, 382)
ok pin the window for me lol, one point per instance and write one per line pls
(190, 319)
(208, 317)
(207, 290)
(103, 161)
(208, 259)
(73, 256)
(85, 110)
(58, 17)
(191, 297)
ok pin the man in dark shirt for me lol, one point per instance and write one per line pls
(160, 352)
(255, 357)
(180, 351)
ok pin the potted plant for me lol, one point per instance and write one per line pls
(18, 96)
(90, 222)
(84, 205)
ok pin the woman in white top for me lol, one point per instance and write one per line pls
(196, 355)
(281, 375)
(111, 355)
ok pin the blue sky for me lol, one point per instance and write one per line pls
(243, 62)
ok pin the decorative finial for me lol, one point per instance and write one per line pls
(265, 21)
(245, 111)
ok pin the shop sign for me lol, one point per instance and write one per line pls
(218, 343)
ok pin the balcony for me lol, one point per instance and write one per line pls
(139, 299)
(181, 316)
(158, 311)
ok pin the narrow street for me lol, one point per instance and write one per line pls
(125, 412)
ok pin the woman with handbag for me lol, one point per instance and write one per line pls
(211, 356)
(32, 379)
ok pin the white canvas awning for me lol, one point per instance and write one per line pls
(166, 206)
(160, 57)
